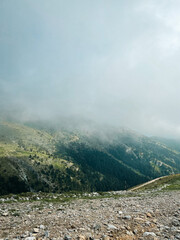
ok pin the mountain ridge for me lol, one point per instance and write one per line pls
(56, 159)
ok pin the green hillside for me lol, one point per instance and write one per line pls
(171, 182)
(40, 157)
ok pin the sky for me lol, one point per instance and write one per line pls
(114, 62)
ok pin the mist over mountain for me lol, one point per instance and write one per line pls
(89, 119)
(84, 88)
(37, 156)
(109, 62)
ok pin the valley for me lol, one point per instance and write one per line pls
(42, 158)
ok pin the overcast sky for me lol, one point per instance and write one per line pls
(112, 61)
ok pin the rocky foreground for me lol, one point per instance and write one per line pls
(154, 215)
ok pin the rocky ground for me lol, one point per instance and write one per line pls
(154, 215)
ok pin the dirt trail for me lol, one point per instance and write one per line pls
(147, 183)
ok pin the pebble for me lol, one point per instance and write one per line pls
(81, 237)
(67, 237)
(42, 227)
(5, 214)
(97, 227)
(30, 238)
(36, 230)
(152, 234)
(149, 215)
(111, 227)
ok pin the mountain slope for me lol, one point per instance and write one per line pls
(171, 182)
(43, 158)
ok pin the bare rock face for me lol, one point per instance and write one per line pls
(146, 216)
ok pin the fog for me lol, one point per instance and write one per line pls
(111, 62)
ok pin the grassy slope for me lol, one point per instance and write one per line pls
(22, 142)
(171, 182)
(26, 158)
(62, 160)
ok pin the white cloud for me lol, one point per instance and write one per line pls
(115, 62)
